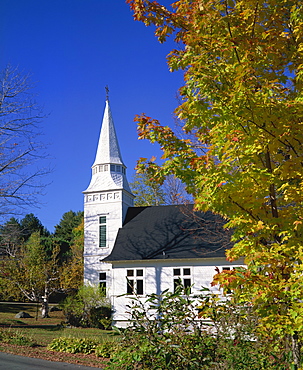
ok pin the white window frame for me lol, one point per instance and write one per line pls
(184, 276)
(135, 283)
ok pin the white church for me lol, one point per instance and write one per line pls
(142, 250)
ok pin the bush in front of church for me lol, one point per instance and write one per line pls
(178, 330)
(88, 308)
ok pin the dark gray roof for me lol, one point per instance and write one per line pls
(170, 232)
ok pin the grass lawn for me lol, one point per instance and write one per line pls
(43, 331)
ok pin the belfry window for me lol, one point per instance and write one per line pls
(102, 231)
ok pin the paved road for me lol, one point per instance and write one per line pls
(14, 362)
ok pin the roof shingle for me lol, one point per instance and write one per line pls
(170, 232)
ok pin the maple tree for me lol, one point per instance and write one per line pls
(242, 108)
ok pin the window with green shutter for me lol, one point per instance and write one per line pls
(102, 231)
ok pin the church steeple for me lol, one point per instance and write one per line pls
(108, 169)
(106, 201)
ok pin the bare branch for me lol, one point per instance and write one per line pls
(19, 145)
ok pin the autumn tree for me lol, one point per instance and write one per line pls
(31, 264)
(32, 272)
(19, 146)
(241, 105)
(71, 277)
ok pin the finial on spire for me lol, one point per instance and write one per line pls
(107, 93)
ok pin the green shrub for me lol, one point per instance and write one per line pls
(89, 307)
(166, 334)
(80, 345)
(17, 338)
(100, 317)
(73, 345)
(107, 348)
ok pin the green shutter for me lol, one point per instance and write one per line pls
(102, 220)
(102, 231)
(102, 236)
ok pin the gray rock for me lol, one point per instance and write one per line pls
(23, 315)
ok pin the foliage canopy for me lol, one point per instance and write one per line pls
(241, 107)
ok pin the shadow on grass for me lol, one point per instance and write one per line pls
(12, 307)
(51, 327)
(14, 322)
(44, 327)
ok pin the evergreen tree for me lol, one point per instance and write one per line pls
(64, 231)
(10, 237)
(31, 224)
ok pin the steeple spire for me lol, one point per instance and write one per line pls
(108, 151)
(108, 169)
(107, 93)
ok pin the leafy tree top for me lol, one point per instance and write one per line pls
(240, 153)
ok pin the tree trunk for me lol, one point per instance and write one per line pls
(296, 350)
(44, 308)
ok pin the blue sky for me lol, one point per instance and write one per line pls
(73, 49)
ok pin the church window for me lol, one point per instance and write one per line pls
(130, 286)
(106, 167)
(101, 168)
(182, 276)
(118, 168)
(102, 231)
(102, 283)
(112, 167)
(139, 286)
(123, 170)
(134, 284)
